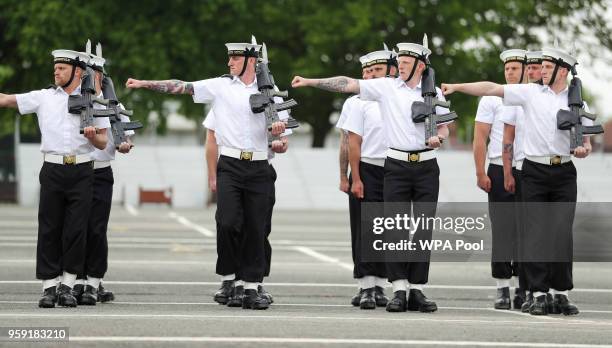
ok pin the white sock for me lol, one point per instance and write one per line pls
(368, 282)
(516, 282)
(552, 292)
(68, 279)
(502, 283)
(360, 283)
(537, 294)
(250, 286)
(79, 282)
(48, 283)
(417, 286)
(382, 282)
(400, 285)
(228, 277)
(564, 292)
(239, 283)
(93, 282)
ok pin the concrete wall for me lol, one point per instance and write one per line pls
(307, 178)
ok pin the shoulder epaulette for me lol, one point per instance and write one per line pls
(229, 76)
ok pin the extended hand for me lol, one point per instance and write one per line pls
(448, 88)
(299, 81)
(133, 83)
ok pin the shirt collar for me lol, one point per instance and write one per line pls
(238, 80)
(401, 83)
(61, 90)
(547, 89)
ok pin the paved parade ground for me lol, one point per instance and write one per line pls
(161, 268)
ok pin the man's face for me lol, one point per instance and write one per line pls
(366, 73)
(406, 64)
(513, 72)
(62, 73)
(379, 70)
(547, 71)
(534, 72)
(235, 64)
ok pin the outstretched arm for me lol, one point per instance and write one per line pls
(479, 89)
(340, 84)
(165, 86)
(8, 101)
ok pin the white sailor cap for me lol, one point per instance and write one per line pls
(413, 50)
(514, 55)
(534, 57)
(559, 56)
(244, 49)
(97, 63)
(364, 60)
(379, 57)
(71, 57)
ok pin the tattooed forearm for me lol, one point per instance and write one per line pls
(344, 160)
(509, 150)
(334, 84)
(170, 86)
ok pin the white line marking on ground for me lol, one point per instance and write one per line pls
(419, 318)
(131, 209)
(322, 257)
(185, 222)
(315, 285)
(324, 341)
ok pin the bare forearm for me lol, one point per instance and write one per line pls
(100, 140)
(508, 148)
(211, 154)
(480, 153)
(343, 157)
(355, 155)
(443, 131)
(170, 86)
(480, 89)
(8, 101)
(340, 84)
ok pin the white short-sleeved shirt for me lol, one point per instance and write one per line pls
(491, 110)
(540, 105)
(108, 154)
(210, 123)
(365, 120)
(238, 127)
(59, 129)
(516, 117)
(395, 99)
(346, 110)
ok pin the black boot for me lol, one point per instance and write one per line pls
(48, 299)
(223, 294)
(105, 295)
(539, 306)
(367, 300)
(527, 304)
(355, 299)
(252, 300)
(503, 298)
(562, 304)
(263, 293)
(379, 296)
(398, 302)
(64, 296)
(89, 296)
(77, 292)
(417, 301)
(519, 298)
(235, 300)
(550, 308)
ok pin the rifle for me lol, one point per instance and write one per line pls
(571, 119)
(425, 111)
(264, 100)
(83, 104)
(118, 127)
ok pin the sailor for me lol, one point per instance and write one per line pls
(548, 175)
(489, 126)
(243, 173)
(411, 169)
(66, 177)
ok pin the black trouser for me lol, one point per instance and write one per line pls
(503, 224)
(413, 182)
(63, 211)
(520, 227)
(372, 177)
(243, 190)
(96, 250)
(548, 230)
(271, 200)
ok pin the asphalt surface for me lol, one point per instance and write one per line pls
(161, 269)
